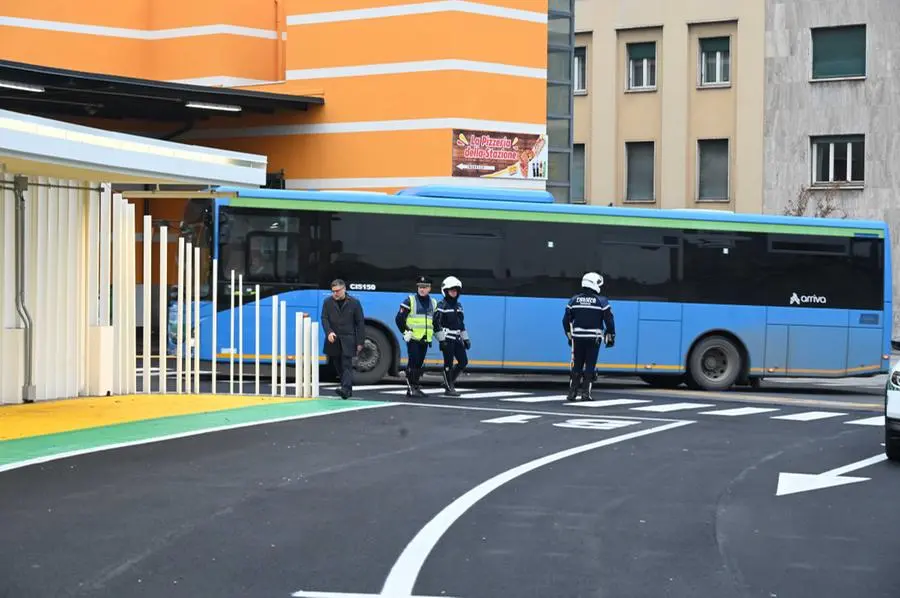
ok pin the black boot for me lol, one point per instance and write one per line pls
(586, 385)
(417, 385)
(449, 377)
(410, 376)
(574, 380)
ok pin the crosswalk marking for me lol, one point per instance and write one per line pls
(739, 411)
(493, 395)
(665, 408)
(609, 403)
(428, 391)
(538, 399)
(869, 421)
(640, 405)
(808, 416)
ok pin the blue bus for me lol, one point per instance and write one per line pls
(705, 298)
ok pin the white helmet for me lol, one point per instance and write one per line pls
(592, 281)
(451, 282)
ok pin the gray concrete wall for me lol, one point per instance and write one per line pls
(796, 108)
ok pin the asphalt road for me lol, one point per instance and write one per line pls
(638, 493)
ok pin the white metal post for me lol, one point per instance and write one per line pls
(147, 243)
(307, 363)
(214, 323)
(314, 339)
(189, 314)
(163, 306)
(241, 334)
(196, 343)
(231, 337)
(298, 352)
(274, 369)
(283, 322)
(256, 329)
(179, 325)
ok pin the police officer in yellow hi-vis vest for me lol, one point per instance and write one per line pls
(414, 319)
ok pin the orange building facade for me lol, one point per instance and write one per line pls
(400, 79)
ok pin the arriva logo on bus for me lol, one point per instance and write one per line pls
(801, 299)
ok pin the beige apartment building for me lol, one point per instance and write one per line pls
(669, 103)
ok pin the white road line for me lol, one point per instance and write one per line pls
(808, 416)
(544, 399)
(869, 421)
(428, 391)
(609, 403)
(403, 575)
(511, 419)
(493, 395)
(377, 386)
(739, 411)
(673, 407)
(643, 418)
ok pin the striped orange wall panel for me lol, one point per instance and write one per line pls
(154, 39)
(213, 55)
(76, 51)
(131, 14)
(418, 37)
(453, 94)
(323, 6)
(352, 155)
(173, 14)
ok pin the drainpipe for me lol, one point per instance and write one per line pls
(20, 184)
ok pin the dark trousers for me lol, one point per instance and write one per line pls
(455, 349)
(584, 357)
(343, 365)
(416, 351)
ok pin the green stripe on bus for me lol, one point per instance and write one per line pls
(800, 229)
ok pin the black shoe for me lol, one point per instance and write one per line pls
(449, 377)
(573, 387)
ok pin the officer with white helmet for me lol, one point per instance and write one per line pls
(588, 319)
(450, 331)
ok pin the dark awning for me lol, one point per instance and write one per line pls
(61, 93)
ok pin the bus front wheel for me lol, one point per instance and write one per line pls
(374, 360)
(714, 364)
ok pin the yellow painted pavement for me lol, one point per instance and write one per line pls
(50, 417)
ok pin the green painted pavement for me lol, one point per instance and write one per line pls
(35, 447)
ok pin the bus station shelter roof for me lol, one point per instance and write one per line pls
(37, 146)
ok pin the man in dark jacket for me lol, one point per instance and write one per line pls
(344, 327)
(587, 321)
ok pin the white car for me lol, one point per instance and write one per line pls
(892, 414)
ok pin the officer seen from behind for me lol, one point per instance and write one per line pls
(450, 330)
(414, 321)
(588, 319)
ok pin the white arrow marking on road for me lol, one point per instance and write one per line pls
(793, 483)
(511, 419)
(351, 595)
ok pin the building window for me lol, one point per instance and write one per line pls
(579, 77)
(715, 61)
(578, 173)
(639, 167)
(838, 160)
(839, 52)
(642, 65)
(712, 169)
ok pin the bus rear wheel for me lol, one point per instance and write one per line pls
(375, 358)
(714, 364)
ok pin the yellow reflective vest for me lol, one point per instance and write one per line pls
(420, 322)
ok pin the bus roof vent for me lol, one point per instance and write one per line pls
(479, 193)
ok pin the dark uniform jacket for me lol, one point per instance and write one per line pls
(345, 319)
(588, 315)
(449, 318)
